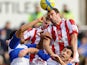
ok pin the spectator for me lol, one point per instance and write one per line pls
(83, 47)
(3, 40)
(1, 49)
(1, 60)
(66, 13)
(8, 30)
(80, 35)
(6, 58)
(35, 15)
(83, 62)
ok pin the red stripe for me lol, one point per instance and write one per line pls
(32, 56)
(76, 64)
(61, 45)
(34, 37)
(74, 32)
(72, 21)
(53, 49)
(67, 31)
(53, 34)
(59, 31)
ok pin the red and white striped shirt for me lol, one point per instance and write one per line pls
(61, 34)
(33, 37)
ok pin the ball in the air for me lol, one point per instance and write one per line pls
(47, 4)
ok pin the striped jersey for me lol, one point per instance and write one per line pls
(61, 34)
(33, 36)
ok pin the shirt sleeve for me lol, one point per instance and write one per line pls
(14, 54)
(14, 42)
(72, 26)
(42, 55)
(31, 45)
(28, 34)
(69, 64)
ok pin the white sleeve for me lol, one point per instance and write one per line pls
(72, 26)
(29, 33)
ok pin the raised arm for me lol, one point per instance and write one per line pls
(20, 31)
(29, 25)
(46, 44)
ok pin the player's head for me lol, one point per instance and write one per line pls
(67, 53)
(46, 22)
(11, 35)
(53, 15)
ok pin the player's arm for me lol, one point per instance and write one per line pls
(26, 51)
(46, 45)
(42, 55)
(74, 43)
(26, 26)
(74, 32)
(30, 24)
(20, 31)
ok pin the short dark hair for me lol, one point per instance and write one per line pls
(55, 9)
(70, 47)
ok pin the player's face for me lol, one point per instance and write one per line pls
(46, 23)
(52, 15)
(66, 54)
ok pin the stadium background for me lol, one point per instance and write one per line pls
(18, 11)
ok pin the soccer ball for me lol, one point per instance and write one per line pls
(47, 4)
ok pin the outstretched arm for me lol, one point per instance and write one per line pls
(46, 44)
(27, 26)
(24, 52)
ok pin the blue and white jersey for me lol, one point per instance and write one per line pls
(40, 58)
(14, 48)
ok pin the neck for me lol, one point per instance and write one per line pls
(58, 22)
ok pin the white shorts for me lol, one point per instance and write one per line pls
(38, 62)
(20, 61)
(52, 62)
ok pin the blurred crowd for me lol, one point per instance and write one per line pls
(6, 30)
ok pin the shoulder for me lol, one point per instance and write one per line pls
(72, 21)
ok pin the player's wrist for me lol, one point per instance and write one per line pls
(36, 50)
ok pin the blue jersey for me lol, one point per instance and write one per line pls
(43, 55)
(14, 48)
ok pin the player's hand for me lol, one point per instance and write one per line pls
(57, 58)
(40, 19)
(23, 52)
(54, 56)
